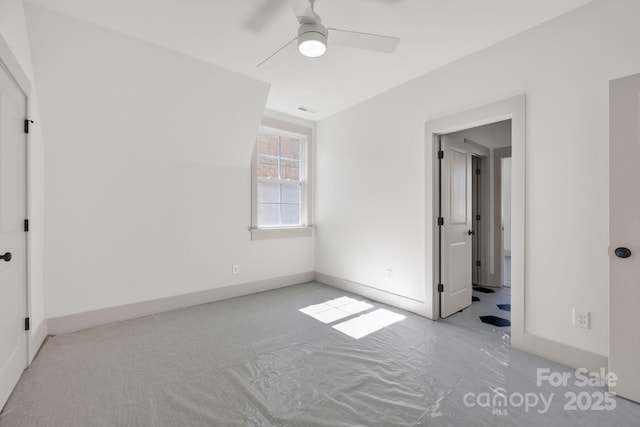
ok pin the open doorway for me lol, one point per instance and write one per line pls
(512, 109)
(476, 220)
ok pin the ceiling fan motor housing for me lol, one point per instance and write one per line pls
(312, 39)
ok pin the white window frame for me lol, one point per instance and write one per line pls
(305, 229)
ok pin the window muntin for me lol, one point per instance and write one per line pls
(280, 179)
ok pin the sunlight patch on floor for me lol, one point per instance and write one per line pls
(335, 309)
(368, 323)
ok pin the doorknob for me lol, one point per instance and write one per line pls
(622, 252)
(470, 232)
(6, 257)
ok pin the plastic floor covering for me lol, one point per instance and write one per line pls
(260, 361)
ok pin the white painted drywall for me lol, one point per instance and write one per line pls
(14, 30)
(371, 195)
(506, 204)
(148, 170)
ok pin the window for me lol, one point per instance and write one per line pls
(281, 189)
(279, 178)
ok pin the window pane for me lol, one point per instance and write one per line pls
(268, 144)
(290, 214)
(267, 167)
(268, 214)
(290, 169)
(268, 192)
(291, 193)
(290, 147)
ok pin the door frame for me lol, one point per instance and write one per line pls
(482, 154)
(514, 109)
(12, 66)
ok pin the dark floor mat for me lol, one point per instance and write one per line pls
(475, 299)
(495, 321)
(505, 307)
(483, 290)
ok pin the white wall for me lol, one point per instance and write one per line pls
(14, 30)
(372, 198)
(148, 160)
(506, 203)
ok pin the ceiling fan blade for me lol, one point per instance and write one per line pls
(365, 41)
(263, 15)
(277, 51)
(304, 11)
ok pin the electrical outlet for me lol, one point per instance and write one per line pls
(580, 319)
(389, 274)
(235, 269)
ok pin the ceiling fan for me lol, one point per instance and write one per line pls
(313, 35)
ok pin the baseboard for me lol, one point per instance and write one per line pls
(558, 352)
(409, 304)
(563, 353)
(552, 350)
(78, 321)
(36, 339)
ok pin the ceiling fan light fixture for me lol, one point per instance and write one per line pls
(312, 40)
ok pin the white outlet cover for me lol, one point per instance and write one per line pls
(581, 319)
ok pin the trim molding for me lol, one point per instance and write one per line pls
(36, 339)
(563, 353)
(399, 301)
(88, 319)
(281, 233)
(543, 347)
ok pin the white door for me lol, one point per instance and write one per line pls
(13, 358)
(624, 232)
(456, 251)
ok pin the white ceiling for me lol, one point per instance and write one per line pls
(432, 32)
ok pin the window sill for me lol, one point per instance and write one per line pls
(280, 233)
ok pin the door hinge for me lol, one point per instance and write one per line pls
(26, 324)
(26, 125)
(440, 220)
(440, 154)
(26, 225)
(477, 171)
(477, 217)
(477, 263)
(440, 287)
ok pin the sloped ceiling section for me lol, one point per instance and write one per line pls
(148, 157)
